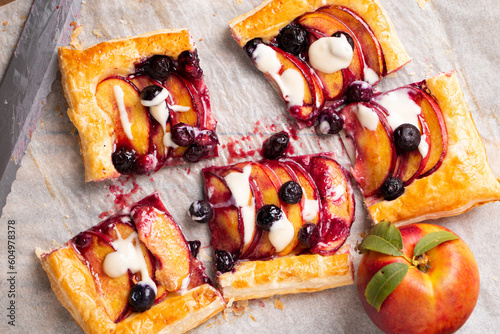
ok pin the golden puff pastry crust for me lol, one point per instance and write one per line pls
(286, 275)
(74, 286)
(266, 20)
(463, 181)
(83, 70)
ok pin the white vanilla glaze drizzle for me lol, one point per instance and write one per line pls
(126, 125)
(324, 127)
(402, 109)
(281, 233)
(370, 75)
(290, 82)
(239, 185)
(330, 54)
(310, 210)
(127, 256)
(160, 110)
(367, 117)
(423, 147)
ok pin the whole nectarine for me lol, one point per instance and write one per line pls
(438, 292)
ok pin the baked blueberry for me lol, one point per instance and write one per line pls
(267, 215)
(292, 39)
(124, 160)
(189, 64)
(159, 67)
(329, 122)
(224, 261)
(406, 137)
(275, 146)
(150, 92)
(392, 188)
(252, 45)
(194, 247)
(142, 296)
(195, 153)
(308, 235)
(359, 91)
(347, 36)
(201, 211)
(182, 134)
(206, 138)
(290, 192)
(82, 240)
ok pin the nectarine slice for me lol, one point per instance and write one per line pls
(226, 226)
(292, 211)
(113, 291)
(165, 241)
(372, 138)
(136, 112)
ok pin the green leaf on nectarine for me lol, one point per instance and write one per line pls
(431, 240)
(383, 238)
(385, 281)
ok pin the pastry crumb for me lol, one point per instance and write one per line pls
(97, 33)
(67, 217)
(279, 304)
(124, 22)
(239, 307)
(77, 29)
(5, 23)
(412, 74)
(201, 39)
(422, 3)
(204, 256)
(495, 278)
(252, 317)
(392, 75)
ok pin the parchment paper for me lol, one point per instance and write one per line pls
(50, 202)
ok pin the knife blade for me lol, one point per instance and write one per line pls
(28, 79)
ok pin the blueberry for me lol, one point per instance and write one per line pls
(406, 138)
(359, 91)
(291, 192)
(141, 297)
(329, 122)
(124, 160)
(201, 211)
(292, 39)
(159, 67)
(195, 152)
(267, 215)
(223, 261)
(189, 64)
(206, 138)
(347, 36)
(194, 247)
(252, 45)
(83, 240)
(308, 235)
(276, 145)
(392, 188)
(182, 134)
(145, 164)
(150, 92)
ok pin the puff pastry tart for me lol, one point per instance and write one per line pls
(138, 103)
(133, 273)
(312, 50)
(278, 226)
(417, 154)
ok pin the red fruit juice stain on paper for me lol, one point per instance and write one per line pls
(122, 196)
(236, 151)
